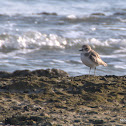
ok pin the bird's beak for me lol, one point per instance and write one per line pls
(81, 50)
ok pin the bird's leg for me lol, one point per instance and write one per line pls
(89, 71)
(94, 70)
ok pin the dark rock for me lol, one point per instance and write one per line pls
(91, 87)
(16, 107)
(120, 13)
(26, 108)
(50, 73)
(92, 112)
(47, 13)
(77, 120)
(96, 121)
(21, 73)
(123, 101)
(99, 14)
(24, 120)
(4, 74)
(41, 72)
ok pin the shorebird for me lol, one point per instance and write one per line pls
(91, 58)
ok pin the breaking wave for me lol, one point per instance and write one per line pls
(31, 40)
(34, 40)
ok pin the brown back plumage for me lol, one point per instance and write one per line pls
(94, 56)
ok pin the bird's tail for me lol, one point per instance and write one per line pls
(104, 64)
(101, 62)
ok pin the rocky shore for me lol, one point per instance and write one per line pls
(52, 98)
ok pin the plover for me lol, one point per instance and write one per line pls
(91, 58)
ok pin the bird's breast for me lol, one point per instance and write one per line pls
(87, 61)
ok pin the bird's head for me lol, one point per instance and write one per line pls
(85, 48)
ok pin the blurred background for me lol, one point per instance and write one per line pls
(42, 34)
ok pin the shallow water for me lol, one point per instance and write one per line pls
(48, 34)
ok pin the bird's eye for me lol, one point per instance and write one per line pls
(86, 49)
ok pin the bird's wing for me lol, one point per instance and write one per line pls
(94, 56)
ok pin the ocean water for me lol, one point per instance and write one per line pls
(42, 34)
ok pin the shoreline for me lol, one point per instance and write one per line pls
(52, 97)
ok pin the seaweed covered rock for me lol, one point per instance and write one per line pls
(50, 73)
(41, 72)
(21, 73)
(45, 13)
(51, 97)
(4, 74)
(25, 120)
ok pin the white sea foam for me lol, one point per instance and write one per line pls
(72, 16)
(58, 61)
(73, 34)
(120, 65)
(36, 40)
(32, 40)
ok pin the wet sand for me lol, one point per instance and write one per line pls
(52, 98)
